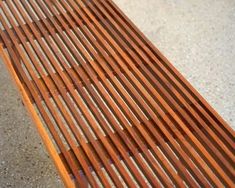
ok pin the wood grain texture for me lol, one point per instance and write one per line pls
(112, 108)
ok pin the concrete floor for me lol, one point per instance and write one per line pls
(197, 36)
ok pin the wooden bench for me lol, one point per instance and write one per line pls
(110, 108)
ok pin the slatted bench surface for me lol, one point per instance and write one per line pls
(118, 113)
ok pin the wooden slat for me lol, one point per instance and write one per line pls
(119, 114)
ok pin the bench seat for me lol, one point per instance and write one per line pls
(109, 107)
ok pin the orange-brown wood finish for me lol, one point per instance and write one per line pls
(110, 108)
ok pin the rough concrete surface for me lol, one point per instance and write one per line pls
(197, 36)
